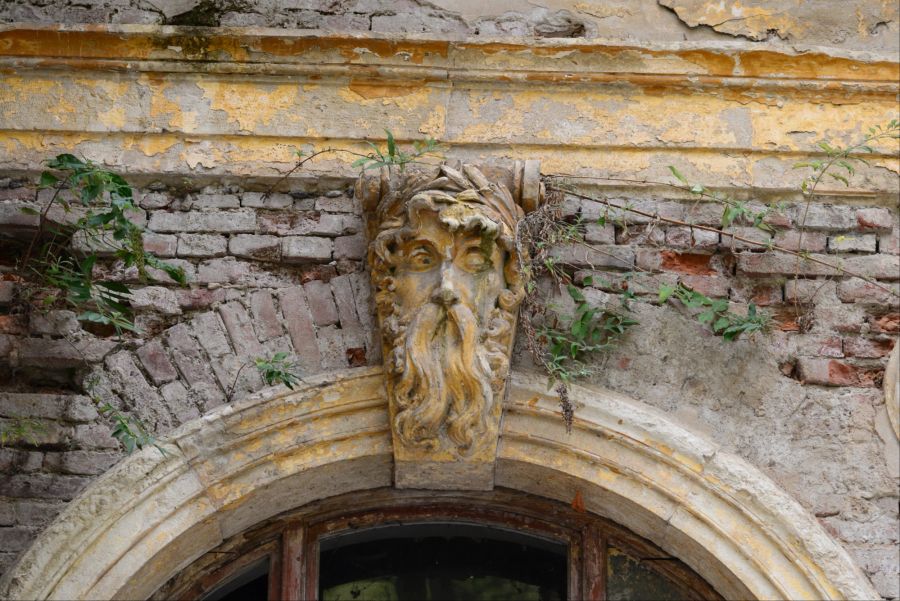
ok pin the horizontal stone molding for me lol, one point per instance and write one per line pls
(239, 102)
(152, 515)
(504, 56)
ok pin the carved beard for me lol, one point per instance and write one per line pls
(445, 378)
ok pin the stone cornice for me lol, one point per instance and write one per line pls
(260, 51)
(220, 102)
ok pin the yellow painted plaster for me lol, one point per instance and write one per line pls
(248, 104)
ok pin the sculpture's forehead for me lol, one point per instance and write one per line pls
(431, 227)
(461, 220)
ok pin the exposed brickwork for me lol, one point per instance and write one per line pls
(283, 272)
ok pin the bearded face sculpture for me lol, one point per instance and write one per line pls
(447, 281)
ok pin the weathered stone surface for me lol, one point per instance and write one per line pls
(201, 245)
(265, 317)
(299, 325)
(155, 298)
(62, 353)
(728, 133)
(304, 249)
(261, 248)
(217, 221)
(155, 360)
(706, 475)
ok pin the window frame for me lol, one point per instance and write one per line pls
(291, 542)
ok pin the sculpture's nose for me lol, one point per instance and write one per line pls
(446, 294)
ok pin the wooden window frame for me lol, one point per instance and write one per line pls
(291, 542)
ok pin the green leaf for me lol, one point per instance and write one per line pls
(840, 178)
(721, 323)
(665, 291)
(29, 211)
(391, 145)
(678, 174)
(706, 316)
(575, 293)
(47, 180)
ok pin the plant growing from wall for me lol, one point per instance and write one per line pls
(553, 347)
(561, 342)
(104, 202)
(97, 207)
(275, 369)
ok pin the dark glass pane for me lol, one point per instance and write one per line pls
(250, 585)
(441, 561)
(629, 579)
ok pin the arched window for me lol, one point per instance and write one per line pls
(429, 546)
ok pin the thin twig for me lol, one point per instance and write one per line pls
(41, 220)
(234, 383)
(301, 162)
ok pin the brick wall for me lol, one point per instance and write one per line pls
(286, 273)
(267, 274)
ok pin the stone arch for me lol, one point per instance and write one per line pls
(152, 515)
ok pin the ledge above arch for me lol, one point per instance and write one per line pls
(151, 515)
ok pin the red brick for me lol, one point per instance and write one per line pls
(875, 218)
(265, 319)
(830, 372)
(321, 303)
(754, 234)
(692, 238)
(889, 324)
(240, 329)
(810, 241)
(650, 235)
(890, 243)
(855, 290)
(818, 346)
(13, 324)
(199, 298)
(154, 359)
(356, 356)
(711, 285)
(760, 293)
(299, 325)
(778, 219)
(867, 348)
(874, 266)
(686, 263)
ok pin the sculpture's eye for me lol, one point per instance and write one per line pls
(422, 258)
(474, 260)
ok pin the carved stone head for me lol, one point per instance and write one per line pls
(447, 281)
